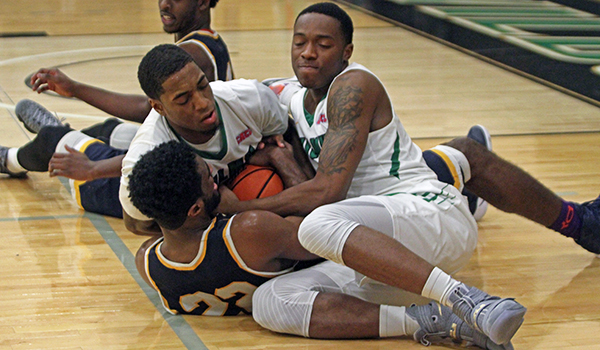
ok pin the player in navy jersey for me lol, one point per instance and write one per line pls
(211, 265)
(189, 21)
(205, 264)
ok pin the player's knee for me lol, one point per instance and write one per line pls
(49, 136)
(282, 309)
(324, 232)
(477, 155)
(460, 143)
(262, 313)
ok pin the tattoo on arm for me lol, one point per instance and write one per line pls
(345, 107)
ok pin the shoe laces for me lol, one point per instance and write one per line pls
(595, 203)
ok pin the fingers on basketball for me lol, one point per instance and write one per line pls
(256, 182)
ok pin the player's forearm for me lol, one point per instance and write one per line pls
(300, 157)
(298, 200)
(287, 168)
(126, 106)
(107, 168)
(290, 174)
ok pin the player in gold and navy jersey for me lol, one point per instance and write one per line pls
(205, 264)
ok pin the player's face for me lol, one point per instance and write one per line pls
(188, 104)
(179, 15)
(211, 197)
(319, 52)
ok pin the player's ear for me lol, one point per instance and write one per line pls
(197, 208)
(157, 106)
(348, 51)
(203, 5)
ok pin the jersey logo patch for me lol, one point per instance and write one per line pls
(322, 119)
(243, 135)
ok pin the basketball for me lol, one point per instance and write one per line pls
(256, 182)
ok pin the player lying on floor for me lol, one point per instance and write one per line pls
(209, 264)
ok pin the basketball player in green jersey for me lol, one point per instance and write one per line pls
(337, 132)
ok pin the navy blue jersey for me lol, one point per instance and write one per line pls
(216, 283)
(102, 195)
(214, 46)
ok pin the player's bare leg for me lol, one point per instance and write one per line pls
(511, 189)
(384, 259)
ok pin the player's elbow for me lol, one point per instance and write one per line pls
(327, 194)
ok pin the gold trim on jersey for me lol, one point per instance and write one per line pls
(197, 261)
(205, 32)
(78, 183)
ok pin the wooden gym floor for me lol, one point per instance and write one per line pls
(67, 278)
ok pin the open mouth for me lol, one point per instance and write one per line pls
(166, 18)
(210, 119)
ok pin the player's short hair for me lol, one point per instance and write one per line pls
(333, 10)
(165, 183)
(213, 3)
(158, 65)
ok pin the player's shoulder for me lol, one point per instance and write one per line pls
(253, 220)
(261, 229)
(201, 35)
(357, 77)
(355, 73)
(152, 132)
(154, 129)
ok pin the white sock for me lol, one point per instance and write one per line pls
(12, 162)
(394, 322)
(457, 164)
(439, 285)
(74, 139)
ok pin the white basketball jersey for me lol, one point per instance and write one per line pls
(391, 162)
(247, 110)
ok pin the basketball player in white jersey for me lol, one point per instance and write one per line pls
(367, 156)
(222, 121)
(363, 153)
(480, 171)
(225, 129)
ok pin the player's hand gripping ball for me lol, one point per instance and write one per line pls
(256, 182)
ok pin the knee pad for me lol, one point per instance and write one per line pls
(283, 307)
(324, 232)
(102, 130)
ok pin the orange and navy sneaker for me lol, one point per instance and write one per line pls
(589, 214)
